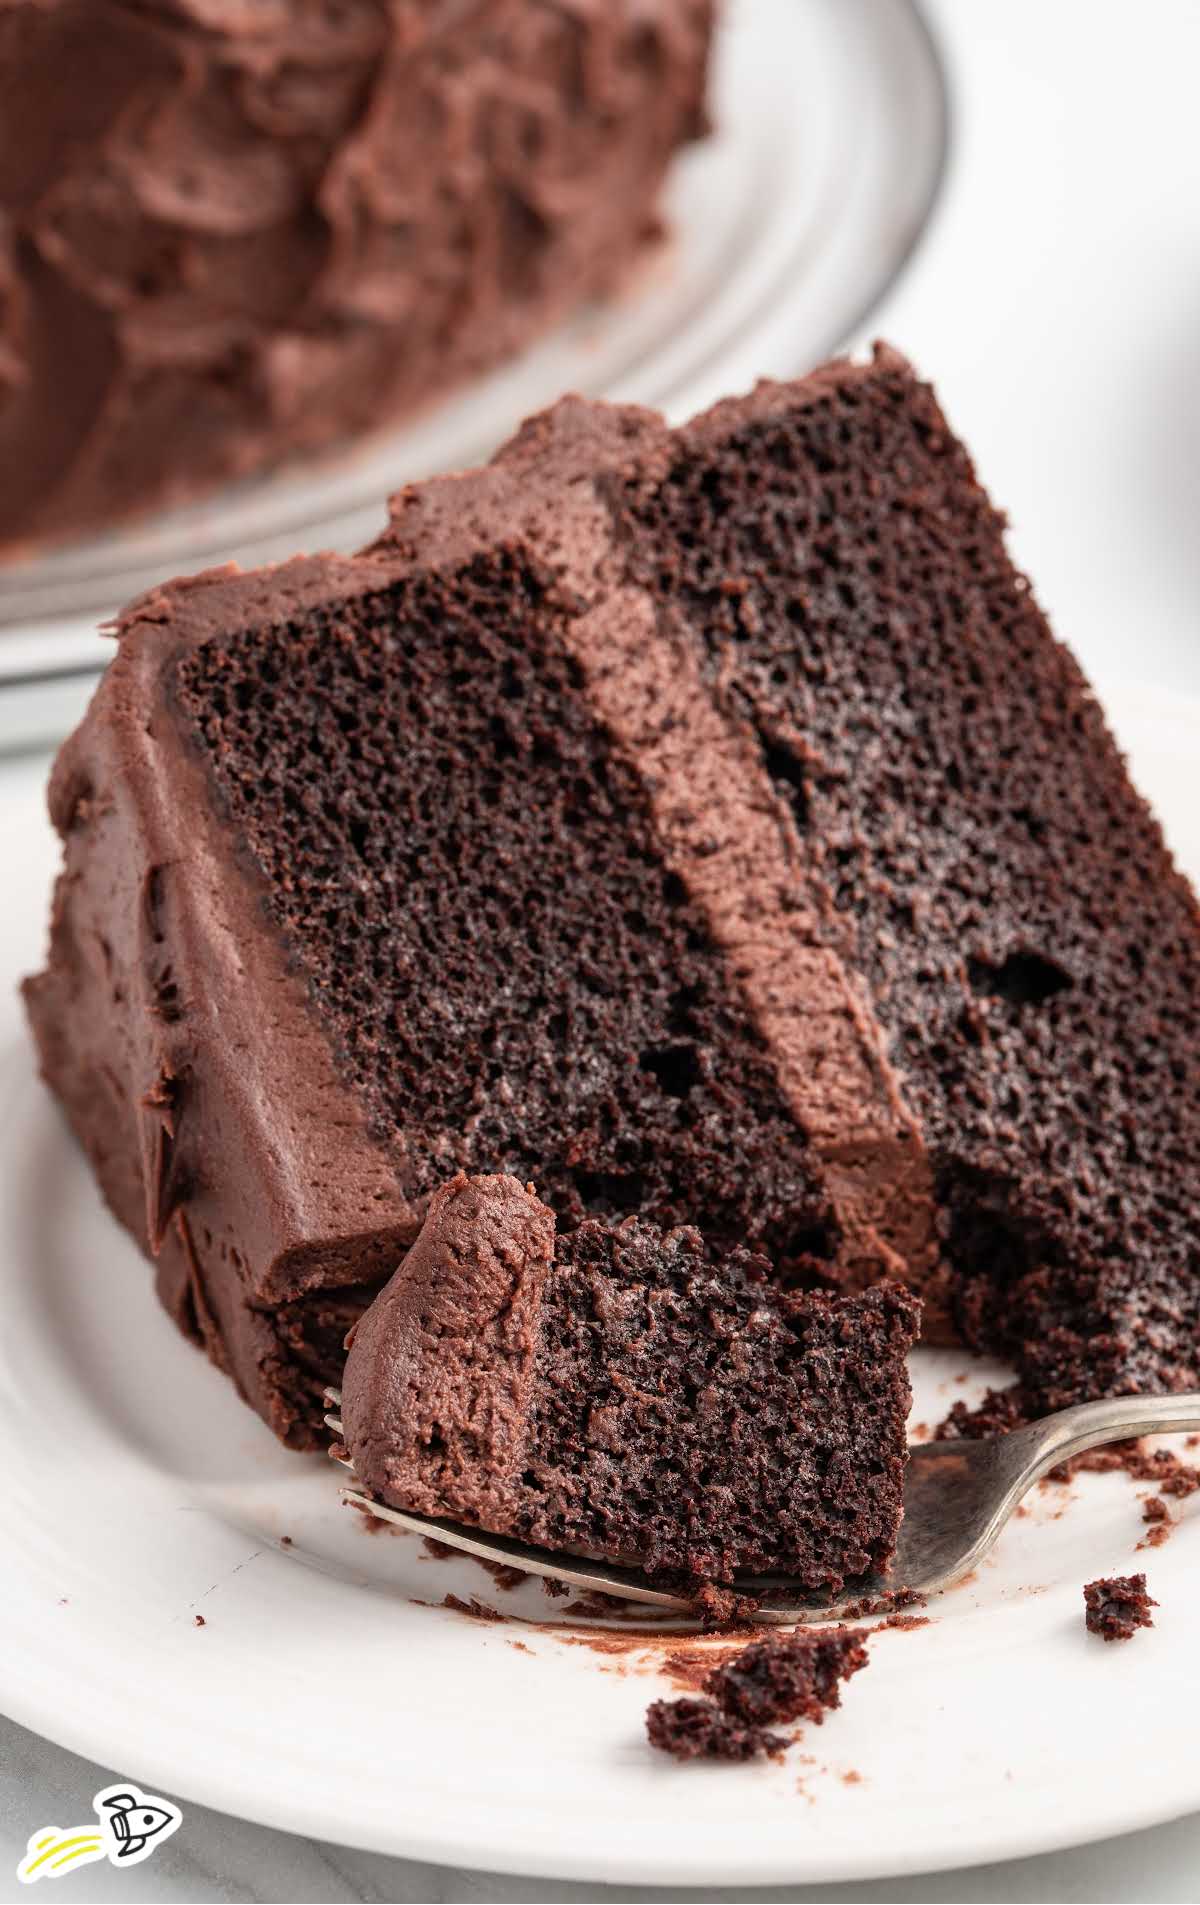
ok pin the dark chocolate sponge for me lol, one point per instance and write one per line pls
(772, 1682)
(696, 1729)
(1117, 1606)
(631, 1394)
(578, 1010)
(999, 886)
(797, 1677)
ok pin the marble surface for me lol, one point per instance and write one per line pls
(1057, 303)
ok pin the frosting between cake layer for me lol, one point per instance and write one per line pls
(724, 829)
(444, 1356)
(736, 850)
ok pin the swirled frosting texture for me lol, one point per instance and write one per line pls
(233, 230)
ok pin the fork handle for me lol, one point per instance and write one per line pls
(1091, 1424)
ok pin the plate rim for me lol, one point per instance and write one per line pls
(699, 1868)
(71, 633)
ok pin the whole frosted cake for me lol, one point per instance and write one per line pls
(233, 230)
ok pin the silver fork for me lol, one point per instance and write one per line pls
(957, 1497)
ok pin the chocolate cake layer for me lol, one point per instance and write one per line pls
(624, 1392)
(999, 887)
(698, 824)
(232, 233)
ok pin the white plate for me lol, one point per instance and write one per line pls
(329, 1692)
(788, 225)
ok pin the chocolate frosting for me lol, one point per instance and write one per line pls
(183, 1049)
(436, 1395)
(233, 230)
(188, 1054)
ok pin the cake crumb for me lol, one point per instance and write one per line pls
(885, 1603)
(1156, 1536)
(373, 1524)
(596, 1605)
(771, 1682)
(796, 1678)
(506, 1578)
(1181, 1482)
(999, 1411)
(696, 1729)
(722, 1607)
(475, 1610)
(285, 1541)
(1117, 1605)
(689, 1668)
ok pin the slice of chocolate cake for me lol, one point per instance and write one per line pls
(697, 824)
(629, 1394)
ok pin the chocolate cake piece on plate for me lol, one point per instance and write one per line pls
(234, 233)
(771, 1683)
(788, 1677)
(702, 825)
(1117, 1606)
(697, 1729)
(630, 1394)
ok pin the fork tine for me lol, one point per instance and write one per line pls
(620, 1581)
(624, 1583)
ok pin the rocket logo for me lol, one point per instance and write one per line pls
(136, 1820)
(131, 1825)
